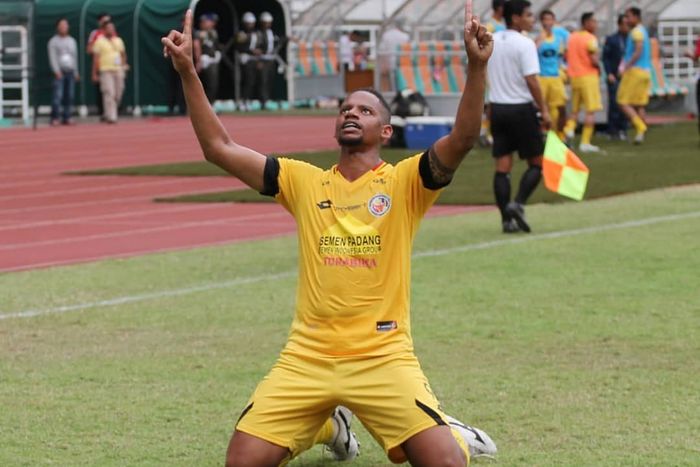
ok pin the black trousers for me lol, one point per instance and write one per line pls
(250, 76)
(266, 74)
(617, 121)
(210, 81)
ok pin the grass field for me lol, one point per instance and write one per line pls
(574, 346)
(669, 157)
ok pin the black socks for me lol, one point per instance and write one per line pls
(528, 183)
(501, 189)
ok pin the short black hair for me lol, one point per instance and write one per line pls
(635, 11)
(496, 4)
(545, 13)
(385, 105)
(514, 7)
(620, 19)
(585, 17)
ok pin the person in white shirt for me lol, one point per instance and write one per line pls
(515, 97)
(388, 45)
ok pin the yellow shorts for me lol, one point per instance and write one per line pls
(390, 395)
(553, 91)
(585, 92)
(634, 88)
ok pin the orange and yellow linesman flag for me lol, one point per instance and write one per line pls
(564, 173)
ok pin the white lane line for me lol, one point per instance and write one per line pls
(146, 197)
(558, 234)
(223, 221)
(147, 251)
(149, 296)
(283, 275)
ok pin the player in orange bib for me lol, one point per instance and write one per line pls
(584, 71)
(350, 347)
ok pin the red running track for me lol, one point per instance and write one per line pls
(51, 219)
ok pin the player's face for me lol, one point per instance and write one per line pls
(548, 22)
(630, 19)
(592, 25)
(360, 121)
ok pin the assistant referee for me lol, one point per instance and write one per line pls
(516, 97)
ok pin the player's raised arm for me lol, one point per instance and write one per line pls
(217, 145)
(447, 153)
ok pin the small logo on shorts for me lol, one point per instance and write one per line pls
(379, 205)
(383, 326)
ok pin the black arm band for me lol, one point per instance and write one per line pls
(427, 175)
(271, 186)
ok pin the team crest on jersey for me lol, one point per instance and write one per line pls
(379, 205)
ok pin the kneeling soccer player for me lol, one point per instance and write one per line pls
(350, 347)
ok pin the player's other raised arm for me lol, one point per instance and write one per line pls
(218, 147)
(447, 153)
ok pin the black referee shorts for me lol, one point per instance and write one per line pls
(515, 127)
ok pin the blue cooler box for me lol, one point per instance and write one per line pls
(422, 132)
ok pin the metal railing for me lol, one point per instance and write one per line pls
(14, 71)
(675, 38)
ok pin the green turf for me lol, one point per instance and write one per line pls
(668, 158)
(570, 351)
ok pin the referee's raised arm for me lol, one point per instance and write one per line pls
(218, 147)
(447, 153)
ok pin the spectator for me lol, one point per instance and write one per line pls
(269, 45)
(102, 19)
(210, 55)
(109, 67)
(613, 51)
(63, 57)
(360, 53)
(345, 48)
(389, 44)
(247, 45)
(695, 55)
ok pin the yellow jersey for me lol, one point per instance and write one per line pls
(109, 53)
(355, 241)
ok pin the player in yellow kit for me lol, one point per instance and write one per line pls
(350, 344)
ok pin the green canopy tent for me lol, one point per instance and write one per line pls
(141, 24)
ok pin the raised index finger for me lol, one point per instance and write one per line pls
(187, 29)
(468, 13)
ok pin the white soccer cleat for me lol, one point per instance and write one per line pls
(344, 446)
(639, 139)
(480, 444)
(588, 148)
